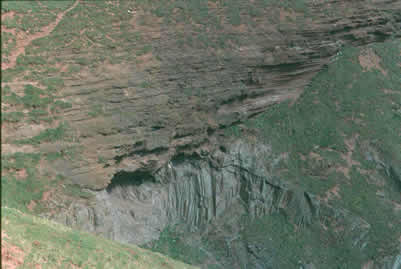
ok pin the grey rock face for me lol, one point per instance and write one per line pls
(397, 262)
(193, 192)
(390, 262)
(310, 266)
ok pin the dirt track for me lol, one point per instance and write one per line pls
(24, 40)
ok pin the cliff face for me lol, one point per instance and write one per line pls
(137, 117)
(189, 114)
(195, 192)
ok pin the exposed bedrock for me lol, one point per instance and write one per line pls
(177, 99)
(195, 192)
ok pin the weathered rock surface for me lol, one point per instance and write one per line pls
(193, 192)
(147, 135)
(176, 100)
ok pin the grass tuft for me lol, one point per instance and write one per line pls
(48, 135)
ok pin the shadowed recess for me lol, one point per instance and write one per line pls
(124, 178)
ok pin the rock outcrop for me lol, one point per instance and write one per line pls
(196, 193)
(186, 91)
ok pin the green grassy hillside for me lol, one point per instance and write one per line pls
(343, 140)
(32, 242)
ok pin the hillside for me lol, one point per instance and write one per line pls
(32, 242)
(224, 134)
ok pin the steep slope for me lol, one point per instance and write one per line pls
(138, 83)
(125, 117)
(311, 182)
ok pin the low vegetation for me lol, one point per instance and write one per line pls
(20, 180)
(12, 116)
(344, 117)
(28, 241)
(172, 243)
(48, 135)
(330, 133)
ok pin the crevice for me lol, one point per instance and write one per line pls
(396, 177)
(124, 178)
(313, 208)
(183, 157)
(285, 67)
(141, 152)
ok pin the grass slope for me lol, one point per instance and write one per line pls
(341, 136)
(31, 242)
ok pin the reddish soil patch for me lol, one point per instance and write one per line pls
(7, 15)
(332, 193)
(46, 195)
(131, 251)
(116, 68)
(6, 30)
(31, 205)
(24, 40)
(339, 229)
(62, 67)
(369, 60)
(4, 235)
(368, 265)
(344, 170)
(110, 38)
(315, 156)
(303, 158)
(212, 5)
(11, 256)
(21, 174)
(74, 266)
(21, 83)
(242, 28)
(350, 143)
(145, 60)
(11, 149)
